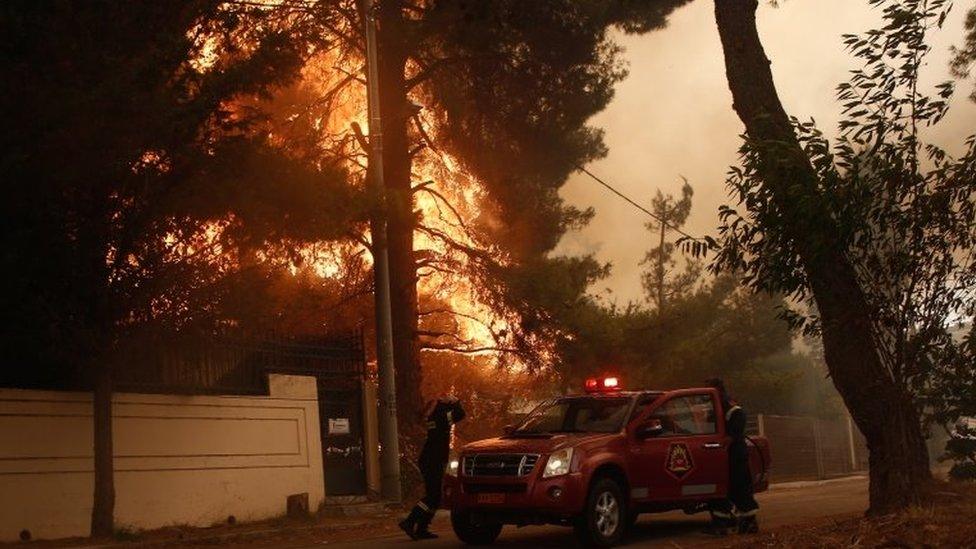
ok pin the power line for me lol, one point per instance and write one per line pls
(635, 204)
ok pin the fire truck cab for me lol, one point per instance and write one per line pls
(595, 461)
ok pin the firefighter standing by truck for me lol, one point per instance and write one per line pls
(741, 495)
(441, 415)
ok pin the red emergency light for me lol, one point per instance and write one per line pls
(597, 385)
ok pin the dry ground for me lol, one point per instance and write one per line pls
(816, 516)
(948, 519)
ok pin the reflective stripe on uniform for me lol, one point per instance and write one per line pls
(751, 513)
(423, 506)
(722, 515)
(431, 425)
(728, 415)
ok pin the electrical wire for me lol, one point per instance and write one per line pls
(635, 204)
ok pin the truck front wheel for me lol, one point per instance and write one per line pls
(471, 532)
(605, 515)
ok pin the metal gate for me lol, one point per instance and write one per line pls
(341, 420)
(339, 367)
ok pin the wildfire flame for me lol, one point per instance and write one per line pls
(447, 199)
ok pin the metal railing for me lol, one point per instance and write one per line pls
(811, 448)
(232, 364)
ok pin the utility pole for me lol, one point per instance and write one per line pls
(389, 437)
(660, 260)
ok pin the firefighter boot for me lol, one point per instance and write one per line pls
(722, 524)
(749, 525)
(423, 527)
(409, 524)
(407, 528)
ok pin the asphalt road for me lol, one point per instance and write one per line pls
(781, 506)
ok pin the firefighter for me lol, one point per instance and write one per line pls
(441, 415)
(740, 477)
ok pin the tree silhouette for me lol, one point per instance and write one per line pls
(964, 56)
(878, 244)
(660, 282)
(136, 181)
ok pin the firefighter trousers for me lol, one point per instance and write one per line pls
(423, 512)
(740, 496)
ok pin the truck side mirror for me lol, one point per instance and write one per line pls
(508, 429)
(649, 429)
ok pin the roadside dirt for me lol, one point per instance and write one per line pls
(269, 533)
(818, 516)
(948, 519)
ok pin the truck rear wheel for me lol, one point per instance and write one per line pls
(605, 515)
(471, 532)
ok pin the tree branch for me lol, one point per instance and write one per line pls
(469, 350)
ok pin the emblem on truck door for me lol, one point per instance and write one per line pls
(678, 462)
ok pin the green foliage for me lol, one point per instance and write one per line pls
(513, 84)
(720, 329)
(961, 449)
(963, 471)
(127, 535)
(964, 56)
(905, 210)
(950, 392)
(661, 283)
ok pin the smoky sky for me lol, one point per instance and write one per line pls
(673, 116)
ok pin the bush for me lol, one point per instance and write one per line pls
(961, 449)
(963, 471)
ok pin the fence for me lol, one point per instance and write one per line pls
(232, 365)
(811, 448)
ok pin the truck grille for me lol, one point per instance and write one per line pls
(499, 465)
(484, 488)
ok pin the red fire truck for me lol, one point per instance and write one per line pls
(595, 461)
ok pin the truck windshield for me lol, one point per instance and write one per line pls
(577, 415)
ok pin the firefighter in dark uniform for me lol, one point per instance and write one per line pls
(740, 477)
(441, 416)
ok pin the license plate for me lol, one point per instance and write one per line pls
(491, 498)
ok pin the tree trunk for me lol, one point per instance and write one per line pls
(883, 410)
(103, 499)
(401, 221)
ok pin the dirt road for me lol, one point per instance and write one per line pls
(780, 507)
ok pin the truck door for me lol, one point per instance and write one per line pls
(686, 458)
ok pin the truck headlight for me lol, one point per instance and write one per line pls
(558, 463)
(452, 467)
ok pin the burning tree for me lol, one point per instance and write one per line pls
(173, 161)
(138, 183)
(485, 107)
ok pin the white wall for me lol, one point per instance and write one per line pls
(191, 460)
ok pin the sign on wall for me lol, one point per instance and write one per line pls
(338, 426)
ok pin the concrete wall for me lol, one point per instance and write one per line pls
(179, 459)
